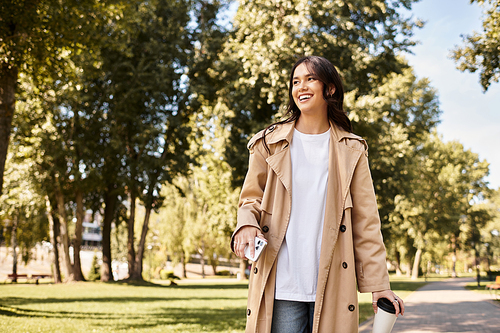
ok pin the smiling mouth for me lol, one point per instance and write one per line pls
(304, 98)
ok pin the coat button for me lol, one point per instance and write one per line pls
(343, 228)
(265, 228)
(249, 312)
(255, 270)
(344, 264)
(351, 308)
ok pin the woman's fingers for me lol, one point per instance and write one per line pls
(396, 300)
(245, 237)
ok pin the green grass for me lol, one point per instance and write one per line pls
(99, 307)
(192, 306)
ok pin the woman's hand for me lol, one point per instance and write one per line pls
(391, 297)
(246, 236)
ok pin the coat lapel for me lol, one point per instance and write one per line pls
(281, 161)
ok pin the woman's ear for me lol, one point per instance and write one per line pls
(331, 90)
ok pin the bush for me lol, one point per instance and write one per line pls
(169, 275)
(95, 269)
(224, 273)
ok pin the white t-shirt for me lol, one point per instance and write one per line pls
(298, 257)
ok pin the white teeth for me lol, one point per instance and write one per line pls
(304, 97)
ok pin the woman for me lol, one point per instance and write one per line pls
(309, 193)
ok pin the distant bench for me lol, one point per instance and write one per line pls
(28, 277)
(494, 287)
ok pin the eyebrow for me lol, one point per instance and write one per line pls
(307, 75)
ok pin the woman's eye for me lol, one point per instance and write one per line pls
(295, 82)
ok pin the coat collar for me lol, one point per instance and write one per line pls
(277, 133)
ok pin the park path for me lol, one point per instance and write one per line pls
(446, 306)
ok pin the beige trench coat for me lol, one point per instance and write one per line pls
(352, 249)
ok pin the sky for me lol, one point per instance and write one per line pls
(468, 115)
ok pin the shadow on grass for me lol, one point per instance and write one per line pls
(211, 320)
(191, 285)
(21, 301)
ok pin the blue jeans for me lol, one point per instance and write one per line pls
(292, 317)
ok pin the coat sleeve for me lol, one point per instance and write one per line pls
(249, 206)
(369, 249)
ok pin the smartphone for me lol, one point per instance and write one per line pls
(260, 245)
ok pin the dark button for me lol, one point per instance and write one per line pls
(344, 264)
(265, 228)
(249, 312)
(342, 228)
(351, 308)
(255, 270)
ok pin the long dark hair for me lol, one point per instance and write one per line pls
(325, 72)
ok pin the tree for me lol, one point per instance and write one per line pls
(95, 269)
(148, 106)
(199, 212)
(22, 208)
(490, 234)
(171, 223)
(480, 51)
(35, 39)
(446, 179)
(394, 119)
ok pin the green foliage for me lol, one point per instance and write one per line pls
(394, 119)
(22, 205)
(36, 35)
(268, 37)
(480, 51)
(446, 182)
(199, 212)
(490, 233)
(95, 269)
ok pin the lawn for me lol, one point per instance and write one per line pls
(192, 306)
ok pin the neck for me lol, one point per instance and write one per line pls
(312, 124)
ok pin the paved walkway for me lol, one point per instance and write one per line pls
(446, 306)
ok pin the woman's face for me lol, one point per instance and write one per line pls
(307, 91)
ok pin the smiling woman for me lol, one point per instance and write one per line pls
(325, 236)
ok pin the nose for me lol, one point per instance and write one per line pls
(301, 86)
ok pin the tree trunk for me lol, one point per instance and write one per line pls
(109, 212)
(77, 241)
(63, 233)
(398, 264)
(53, 227)
(130, 240)
(454, 256)
(213, 263)
(243, 267)
(183, 263)
(416, 264)
(8, 87)
(142, 243)
(202, 261)
(13, 242)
